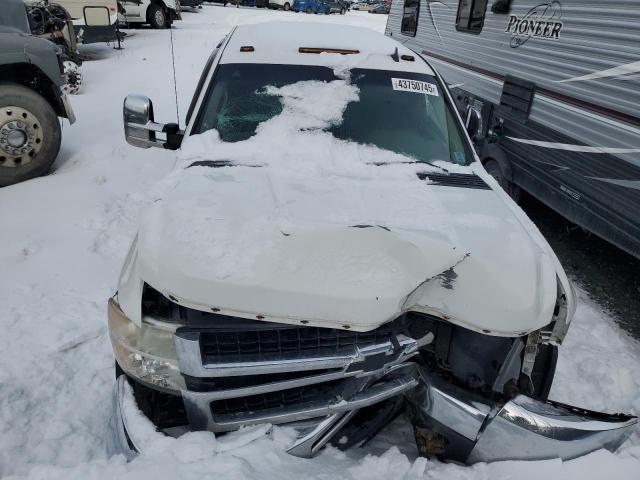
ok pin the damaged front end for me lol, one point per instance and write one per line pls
(471, 397)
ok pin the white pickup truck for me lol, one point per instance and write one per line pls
(157, 13)
(330, 252)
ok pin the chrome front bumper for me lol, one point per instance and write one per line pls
(347, 377)
(522, 429)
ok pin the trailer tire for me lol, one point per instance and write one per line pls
(343, 11)
(308, 10)
(494, 169)
(157, 16)
(286, 7)
(36, 120)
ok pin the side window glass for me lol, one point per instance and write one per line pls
(410, 13)
(470, 17)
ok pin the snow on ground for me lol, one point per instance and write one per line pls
(63, 239)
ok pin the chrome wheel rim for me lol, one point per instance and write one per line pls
(159, 16)
(73, 75)
(20, 136)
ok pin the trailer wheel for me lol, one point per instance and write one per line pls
(286, 7)
(157, 17)
(29, 134)
(494, 169)
(343, 11)
(308, 10)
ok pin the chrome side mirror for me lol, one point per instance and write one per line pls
(140, 129)
(474, 123)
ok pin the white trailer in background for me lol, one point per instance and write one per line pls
(552, 88)
(93, 20)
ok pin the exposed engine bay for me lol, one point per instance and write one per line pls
(53, 22)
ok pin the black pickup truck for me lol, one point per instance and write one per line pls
(31, 99)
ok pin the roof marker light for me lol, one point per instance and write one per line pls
(341, 51)
(408, 58)
(247, 48)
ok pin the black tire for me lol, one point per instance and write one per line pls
(286, 7)
(308, 10)
(46, 134)
(343, 11)
(157, 17)
(494, 169)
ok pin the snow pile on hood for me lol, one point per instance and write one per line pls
(223, 218)
(272, 231)
(296, 139)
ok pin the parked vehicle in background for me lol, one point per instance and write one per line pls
(319, 6)
(157, 13)
(380, 8)
(360, 6)
(552, 91)
(309, 6)
(337, 6)
(191, 3)
(283, 4)
(432, 292)
(31, 98)
(365, 6)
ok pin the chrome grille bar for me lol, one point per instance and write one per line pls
(201, 418)
(191, 363)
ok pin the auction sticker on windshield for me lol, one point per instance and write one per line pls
(417, 86)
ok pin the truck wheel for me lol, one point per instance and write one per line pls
(74, 77)
(29, 134)
(157, 17)
(494, 169)
(286, 7)
(343, 11)
(308, 10)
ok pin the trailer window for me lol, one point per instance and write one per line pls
(410, 13)
(470, 16)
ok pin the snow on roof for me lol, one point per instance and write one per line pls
(278, 42)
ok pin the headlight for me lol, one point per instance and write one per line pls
(147, 353)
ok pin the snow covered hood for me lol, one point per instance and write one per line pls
(302, 227)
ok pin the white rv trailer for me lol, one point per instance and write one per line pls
(551, 90)
(93, 20)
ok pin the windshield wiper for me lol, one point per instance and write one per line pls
(380, 164)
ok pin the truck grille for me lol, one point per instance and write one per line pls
(285, 342)
(273, 400)
(242, 372)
